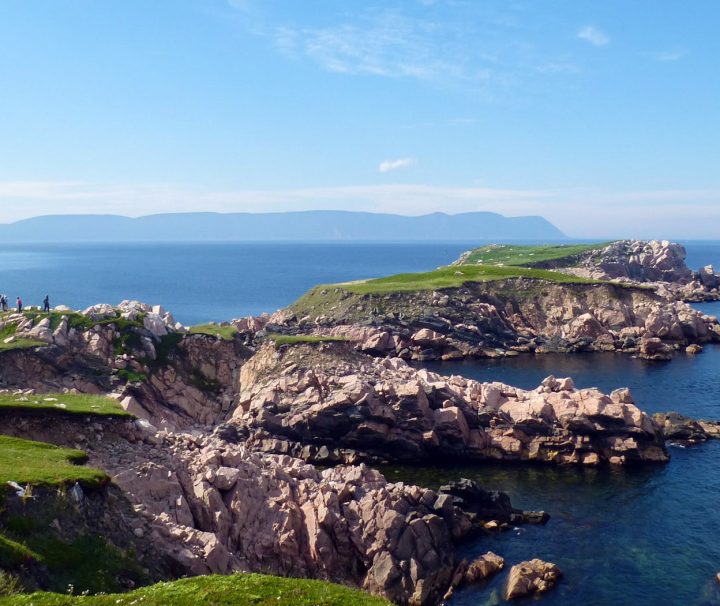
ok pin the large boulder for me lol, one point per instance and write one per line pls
(531, 577)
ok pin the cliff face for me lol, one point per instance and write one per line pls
(518, 315)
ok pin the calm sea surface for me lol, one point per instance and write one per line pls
(622, 537)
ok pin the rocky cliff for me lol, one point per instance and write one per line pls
(504, 317)
(327, 403)
(203, 497)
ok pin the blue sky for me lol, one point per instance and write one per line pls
(601, 116)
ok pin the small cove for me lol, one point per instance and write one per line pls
(643, 536)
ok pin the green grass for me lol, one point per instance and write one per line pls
(9, 331)
(88, 562)
(529, 256)
(298, 339)
(454, 277)
(79, 404)
(233, 590)
(41, 464)
(215, 330)
(13, 554)
(130, 376)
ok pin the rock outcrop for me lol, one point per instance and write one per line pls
(637, 260)
(215, 506)
(679, 428)
(528, 578)
(324, 403)
(504, 317)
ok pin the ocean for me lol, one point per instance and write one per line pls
(646, 536)
(218, 281)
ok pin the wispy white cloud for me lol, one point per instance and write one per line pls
(388, 166)
(670, 55)
(593, 35)
(475, 46)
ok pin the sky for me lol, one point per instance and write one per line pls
(602, 116)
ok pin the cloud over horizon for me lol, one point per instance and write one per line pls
(388, 166)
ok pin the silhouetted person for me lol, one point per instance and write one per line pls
(19, 305)
(3, 302)
(46, 304)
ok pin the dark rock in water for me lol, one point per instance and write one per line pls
(679, 428)
(536, 517)
(471, 497)
(489, 504)
(655, 349)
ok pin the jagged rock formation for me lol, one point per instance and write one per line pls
(212, 505)
(328, 402)
(637, 260)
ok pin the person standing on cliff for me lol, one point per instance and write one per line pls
(19, 305)
(46, 304)
(3, 302)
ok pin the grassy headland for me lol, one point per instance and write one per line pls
(529, 256)
(232, 590)
(454, 277)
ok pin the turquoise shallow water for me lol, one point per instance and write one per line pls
(642, 536)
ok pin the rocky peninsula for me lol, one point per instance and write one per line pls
(206, 439)
(626, 296)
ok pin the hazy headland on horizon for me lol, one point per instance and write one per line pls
(286, 226)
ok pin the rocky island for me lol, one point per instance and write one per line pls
(249, 447)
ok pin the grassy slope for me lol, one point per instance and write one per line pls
(37, 463)
(80, 404)
(215, 330)
(234, 590)
(298, 339)
(528, 256)
(9, 331)
(455, 277)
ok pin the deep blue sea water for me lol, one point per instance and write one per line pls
(622, 537)
(646, 536)
(202, 282)
(217, 281)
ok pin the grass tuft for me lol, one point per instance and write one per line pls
(215, 330)
(39, 464)
(75, 404)
(299, 339)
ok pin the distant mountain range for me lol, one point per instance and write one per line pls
(288, 226)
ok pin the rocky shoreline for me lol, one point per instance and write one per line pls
(218, 468)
